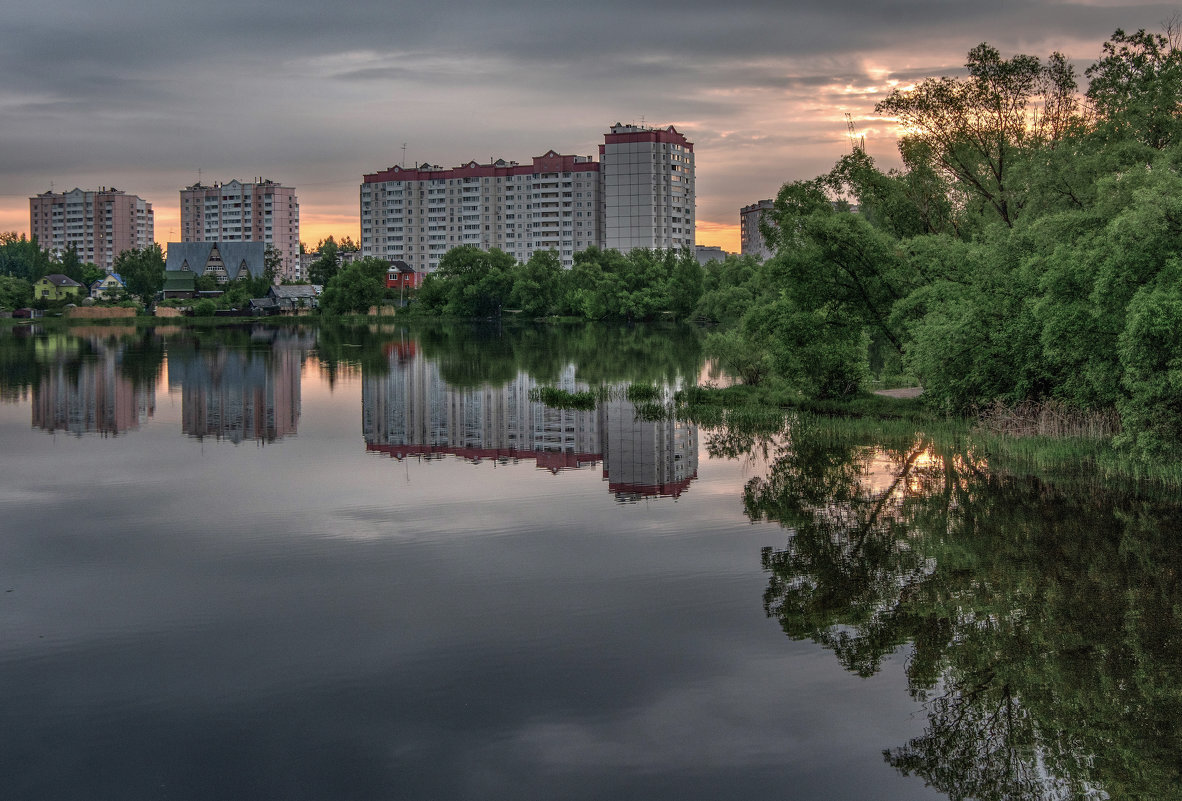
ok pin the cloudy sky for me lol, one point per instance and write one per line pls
(143, 96)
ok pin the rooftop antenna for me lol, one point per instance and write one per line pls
(404, 155)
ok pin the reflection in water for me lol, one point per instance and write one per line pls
(409, 410)
(1043, 624)
(238, 394)
(88, 385)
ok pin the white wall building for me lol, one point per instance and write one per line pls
(648, 188)
(640, 194)
(418, 214)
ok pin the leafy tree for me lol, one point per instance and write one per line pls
(91, 273)
(979, 129)
(539, 285)
(70, 265)
(356, 288)
(321, 271)
(15, 292)
(22, 257)
(142, 270)
(1136, 86)
(272, 264)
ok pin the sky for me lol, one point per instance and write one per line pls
(150, 97)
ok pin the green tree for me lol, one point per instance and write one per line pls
(326, 265)
(142, 270)
(273, 264)
(979, 129)
(22, 257)
(1136, 86)
(15, 293)
(358, 286)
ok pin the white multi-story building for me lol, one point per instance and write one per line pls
(648, 188)
(418, 214)
(557, 202)
(259, 211)
(99, 225)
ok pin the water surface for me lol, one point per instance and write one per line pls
(366, 563)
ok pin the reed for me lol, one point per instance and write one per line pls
(1050, 418)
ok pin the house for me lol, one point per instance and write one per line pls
(290, 297)
(225, 261)
(56, 287)
(264, 307)
(109, 287)
(402, 276)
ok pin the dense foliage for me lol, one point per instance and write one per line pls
(1027, 250)
(601, 285)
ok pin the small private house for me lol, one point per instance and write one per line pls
(109, 287)
(402, 276)
(225, 261)
(56, 287)
(293, 297)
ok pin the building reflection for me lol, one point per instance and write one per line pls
(412, 412)
(240, 394)
(88, 393)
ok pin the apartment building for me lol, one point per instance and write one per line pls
(236, 211)
(99, 224)
(418, 214)
(750, 238)
(555, 202)
(648, 188)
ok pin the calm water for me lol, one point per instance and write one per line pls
(350, 563)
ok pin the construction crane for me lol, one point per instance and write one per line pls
(857, 143)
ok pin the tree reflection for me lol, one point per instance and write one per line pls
(1043, 624)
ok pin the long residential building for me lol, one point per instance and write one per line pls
(236, 211)
(640, 194)
(98, 224)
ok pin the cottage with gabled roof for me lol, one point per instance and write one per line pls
(109, 287)
(56, 287)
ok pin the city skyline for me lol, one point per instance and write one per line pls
(187, 94)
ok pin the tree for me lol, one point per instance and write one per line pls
(273, 264)
(979, 128)
(15, 292)
(142, 270)
(326, 265)
(22, 257)
(356, 287)
(1136, 86)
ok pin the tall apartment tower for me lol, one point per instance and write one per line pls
(418, 214)
(258, 211)
(751, 240)
(100, 225)
(648, 188)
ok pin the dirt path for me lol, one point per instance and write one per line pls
(905, 392)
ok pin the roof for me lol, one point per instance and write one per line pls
(195, 255)
(264, 303)
(294, 291)
(400, 266)
(57, 279)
